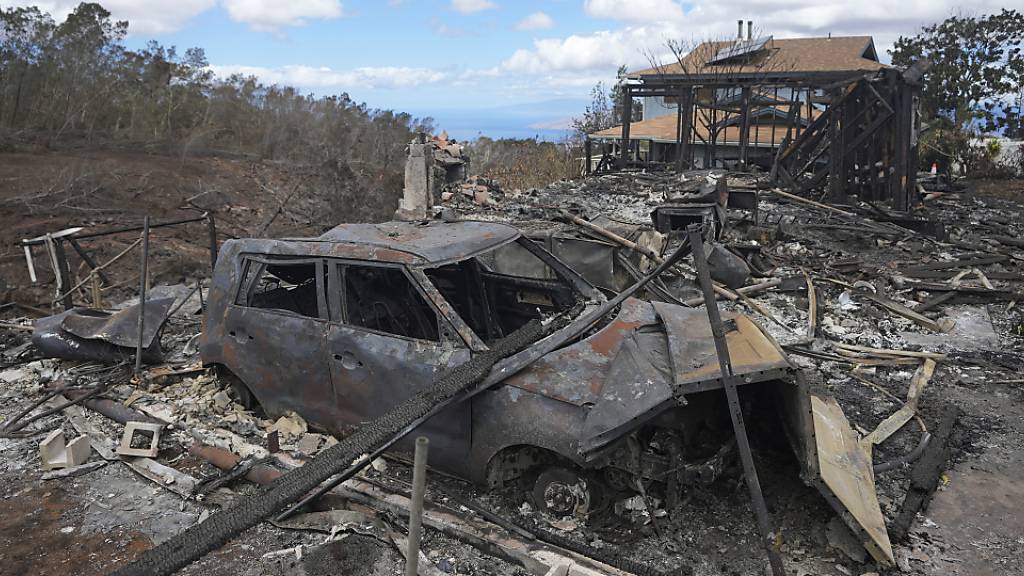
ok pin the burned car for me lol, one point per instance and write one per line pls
(342, 327)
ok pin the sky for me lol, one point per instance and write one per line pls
(500, 68)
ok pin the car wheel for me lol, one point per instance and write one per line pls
(241, 391)
(560, 492)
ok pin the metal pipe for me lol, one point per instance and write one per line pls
(261, 474)
(138, 228)
(143, 281)
(419, 486)
(31, 265)
(114, 410)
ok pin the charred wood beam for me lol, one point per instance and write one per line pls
(924, 477)
(627, 119)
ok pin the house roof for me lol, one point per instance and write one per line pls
(797, 55)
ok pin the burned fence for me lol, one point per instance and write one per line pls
(97, 279)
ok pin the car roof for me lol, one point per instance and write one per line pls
(430, 242)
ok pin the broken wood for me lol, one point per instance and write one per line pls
(926, 473)
(808, 202)
(889, 352)
(812, 306)
(901, 310)
(1008, 241)
(898, 419)
(935, 301)
(608, 234)
(951, 264)
(483, 535)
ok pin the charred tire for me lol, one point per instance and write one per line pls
(245, 396)
(560, 491)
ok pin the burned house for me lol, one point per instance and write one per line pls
(795, 106)
(748, 93)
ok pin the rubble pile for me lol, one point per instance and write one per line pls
(896, 316)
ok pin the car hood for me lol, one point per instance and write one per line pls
(634, 367)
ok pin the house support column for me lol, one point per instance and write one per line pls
(627, 118)
(684, 127)
(744, 125)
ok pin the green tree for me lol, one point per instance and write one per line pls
(605, 109)
(976, 73)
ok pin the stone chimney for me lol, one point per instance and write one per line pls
(750, 29)
(739, 29)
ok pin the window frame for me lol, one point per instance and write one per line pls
(246, 285)
(337, 303)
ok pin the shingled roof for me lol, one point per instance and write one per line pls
(798, 55)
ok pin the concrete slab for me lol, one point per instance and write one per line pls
(972, 330)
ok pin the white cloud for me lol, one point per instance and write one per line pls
(151, 17)
(646, 25)
(272, 15)
(471, 6)
(634, 10)
(535, 21)
(308, 77)
(602, 50)
(164, 16)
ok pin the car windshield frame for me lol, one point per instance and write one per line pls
(584, 290)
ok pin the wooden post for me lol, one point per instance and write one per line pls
(627, 119)
(588, 155)
(143, 284)
(88, 259)
(97, 301)
(904, 179)
(64, 272)
(685, 129)
(744, 125)
(211, 231)
(836, 173)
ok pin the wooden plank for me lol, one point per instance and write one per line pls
(890, 352)
(898, 419)
(847, 479)
(901, 310)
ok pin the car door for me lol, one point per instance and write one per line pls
(385, 343)
(275, 336)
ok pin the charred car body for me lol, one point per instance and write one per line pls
(342, 327)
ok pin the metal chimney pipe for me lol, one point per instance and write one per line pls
(739, 29)
(750, 29)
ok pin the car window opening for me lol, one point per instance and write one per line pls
(383, 299)
(285, 287)
(501, 290)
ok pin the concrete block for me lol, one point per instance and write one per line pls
(125, 449)
(54, 453)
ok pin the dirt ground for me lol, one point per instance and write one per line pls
(94, 523)
(103, 190)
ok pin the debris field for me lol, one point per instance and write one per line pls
(901, 330)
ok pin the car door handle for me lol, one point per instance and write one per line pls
(348, 360)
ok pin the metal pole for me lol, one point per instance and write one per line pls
(211, 230)
(700, 263)
(419, 485)
(144, 264)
